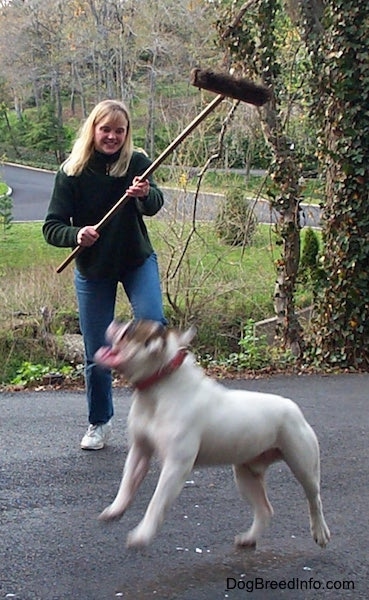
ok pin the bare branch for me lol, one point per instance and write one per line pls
(238, 18)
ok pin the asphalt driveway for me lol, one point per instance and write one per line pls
(32, 190)
(53, 548)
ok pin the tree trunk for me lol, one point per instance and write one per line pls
(150, 136)
(252, 43)
(285, 199)
(338, 42)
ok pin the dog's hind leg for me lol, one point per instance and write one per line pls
(252, 488)
(303, 457)
(135, 469)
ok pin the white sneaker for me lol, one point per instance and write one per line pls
(96, 436)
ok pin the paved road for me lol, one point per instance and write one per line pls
(52, 547)
(32, 190)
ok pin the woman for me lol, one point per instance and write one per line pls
(100, 169)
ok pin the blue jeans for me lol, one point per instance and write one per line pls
(96, 303)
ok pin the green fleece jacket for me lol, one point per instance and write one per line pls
(84, 200)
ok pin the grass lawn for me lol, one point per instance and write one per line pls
(217, 287)
(210, 280)
(23, 246)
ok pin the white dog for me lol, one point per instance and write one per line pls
(188, 420)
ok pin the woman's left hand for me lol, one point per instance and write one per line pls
(139, 189)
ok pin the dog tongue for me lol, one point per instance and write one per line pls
(106, 357)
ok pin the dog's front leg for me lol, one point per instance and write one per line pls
(171, 481)
(135, 469)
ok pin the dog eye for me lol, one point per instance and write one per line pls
(129, 328)
(155, 334)
(122, 335)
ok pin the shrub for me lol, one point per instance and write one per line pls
(6, 212)
(310, 250)
(311, 273)
(236, 222)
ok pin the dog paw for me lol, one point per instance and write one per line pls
(321, 535)
(110, 514)
(245, 540)
(138, 538)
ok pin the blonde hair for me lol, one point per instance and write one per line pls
(83, 147)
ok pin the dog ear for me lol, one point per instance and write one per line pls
(186, 337)
(113, 329)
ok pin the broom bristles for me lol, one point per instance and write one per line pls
(233, 87)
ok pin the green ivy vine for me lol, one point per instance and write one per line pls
(340, 86)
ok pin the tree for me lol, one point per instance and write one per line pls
(258, 38)
(4, 115)
(43, 132)
(87, 50)
(336, 33)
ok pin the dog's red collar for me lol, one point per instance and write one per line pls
(172, 366)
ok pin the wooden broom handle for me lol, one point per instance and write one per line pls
(154, 165)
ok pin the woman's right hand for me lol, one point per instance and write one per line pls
(87, 236)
